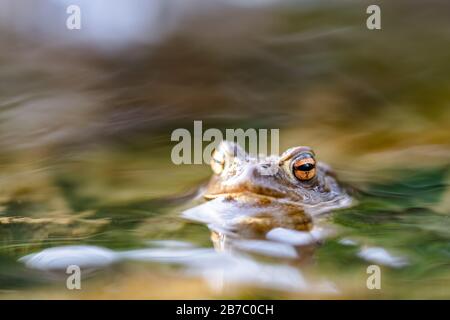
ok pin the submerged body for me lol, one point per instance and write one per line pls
(250, 196)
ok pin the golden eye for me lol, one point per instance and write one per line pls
(304, 167)
(217, 162)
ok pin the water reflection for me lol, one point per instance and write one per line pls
(219, 269)
(286, 260)
(85, 147)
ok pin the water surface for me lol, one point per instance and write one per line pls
(85, 155)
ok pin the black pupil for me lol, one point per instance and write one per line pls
(305, 167)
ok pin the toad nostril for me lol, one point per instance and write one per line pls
(267, 169)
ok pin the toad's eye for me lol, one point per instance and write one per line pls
(304, 167)
(217, 161)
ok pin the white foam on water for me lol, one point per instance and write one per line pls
(170, 244)
(292, 237)
(267, 248)
(249, 272)
(382, 256)
(59, 258)
(218, 269)
(348, 242)
(166, 255)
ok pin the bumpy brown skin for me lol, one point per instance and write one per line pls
(269, 183)
(257, 194)
(249, 196)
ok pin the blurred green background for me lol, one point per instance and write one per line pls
(86, 118)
